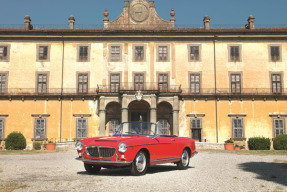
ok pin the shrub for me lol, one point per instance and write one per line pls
(259, 143)
(37, 145)
(280, 142)
(229, 141)
(15, 141)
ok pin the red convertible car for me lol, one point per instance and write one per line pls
(136, 145)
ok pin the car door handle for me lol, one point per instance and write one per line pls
(173, 139)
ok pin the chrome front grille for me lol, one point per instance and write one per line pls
(100, 152)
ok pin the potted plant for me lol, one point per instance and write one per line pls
(0, 144)
(242, 147)
(50, 145)
(237, 147)
(229, 144)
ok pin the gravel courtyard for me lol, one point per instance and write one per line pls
(209, 171)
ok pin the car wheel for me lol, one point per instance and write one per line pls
(92, 169)
(184, 161)
(139, 165)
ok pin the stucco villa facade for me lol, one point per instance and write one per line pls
(203, 83)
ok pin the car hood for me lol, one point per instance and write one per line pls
(112, 141)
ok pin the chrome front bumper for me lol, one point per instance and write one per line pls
(103, 162)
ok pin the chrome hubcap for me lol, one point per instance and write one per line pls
(140, 162)
(184, 158)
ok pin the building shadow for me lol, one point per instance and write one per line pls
(126, 171)
(273, 172)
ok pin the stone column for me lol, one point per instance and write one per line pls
(125, 109)
(102, 114)
(175, 116)
(153, 109)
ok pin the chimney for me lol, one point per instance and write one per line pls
(206, 22)
(106, 19)
(71, 22)
(27, 23)
(251, 20)
(172, 14)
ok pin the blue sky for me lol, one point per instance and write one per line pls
(187, 11)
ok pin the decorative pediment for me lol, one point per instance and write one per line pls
(139, 15)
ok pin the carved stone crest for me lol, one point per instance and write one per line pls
(139, 95)
(139, 12)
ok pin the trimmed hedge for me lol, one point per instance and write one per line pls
(15, 141)
(259, 143)
(280, 142)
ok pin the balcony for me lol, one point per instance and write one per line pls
(146, 88)
(47, 92)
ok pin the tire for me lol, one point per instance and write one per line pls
(139, 165)
(184, 161)
(92, 169)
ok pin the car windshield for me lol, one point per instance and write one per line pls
(137, 128)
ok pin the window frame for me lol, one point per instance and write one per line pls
(110, 53)
(134, 52)
(196, 128)
(7, 58)
(157, 53)
(119, 121)
(134, 79)
(243, 128)
(158, 82)
(110, 81)
(45, 128)
(189, 54)
(87, 128)
(6, 82)
(200, 82)
(281, 82)
(3, 128)
(47, 73)
(38, 59)
(88, 82)
(88, 52)
(168, 126)
(230, 59)
(280, 52)
(230, 82)
(273, 125)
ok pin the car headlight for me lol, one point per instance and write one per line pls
(79, 145)
(122, 147)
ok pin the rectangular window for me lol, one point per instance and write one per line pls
(115, 82)
(40, 128)
(163, 126)
(162, 53)
(139, 81)
(139, 53)
(195, 83)
(276, 83)
(234, 53)
(42, 83)
(83, 53)
(275, 53)
(1, 128)
(114, 125)
(235, 83)
(163, 82)
(196, 126)
(237, 128)
(115, 53)
(194, 53)
(82, 126)
(3, 52)
(279, 126)
(43, 52)
(83, 83)
(3, 82)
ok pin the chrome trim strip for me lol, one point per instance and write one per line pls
(166, 159)
(107, 140)
(150, 144)
(102, 161)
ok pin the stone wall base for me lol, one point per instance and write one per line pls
(203, 145)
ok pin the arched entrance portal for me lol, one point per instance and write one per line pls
(113, 117)
(164, 118)
(139, 111)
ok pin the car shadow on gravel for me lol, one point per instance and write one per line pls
(273, 172)
(126, 171)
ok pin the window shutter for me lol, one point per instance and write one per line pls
(5, 52)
